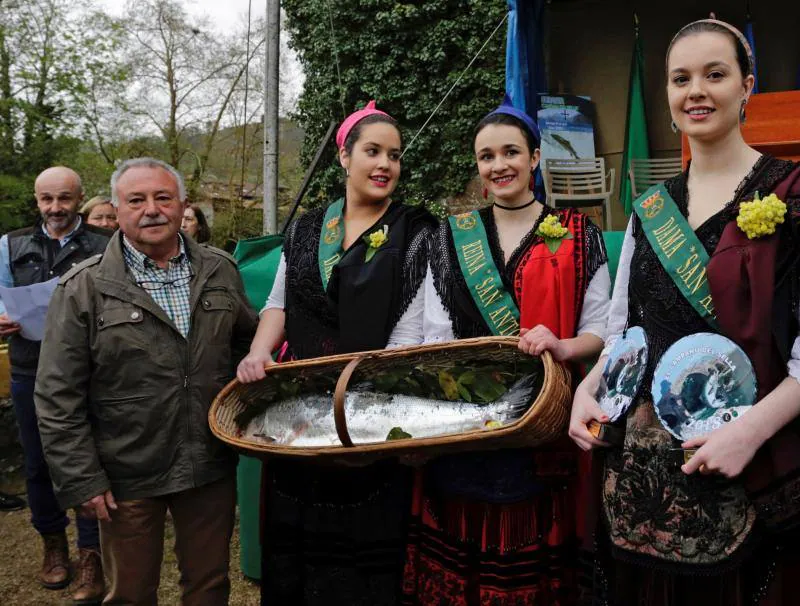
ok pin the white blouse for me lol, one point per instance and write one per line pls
(407, 331)
(436, 325)
(618, 315)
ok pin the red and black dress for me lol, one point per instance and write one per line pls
(705, 540)
(501, 527)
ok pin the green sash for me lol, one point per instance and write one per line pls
(330, 241)
(483, 279)
(677, 248)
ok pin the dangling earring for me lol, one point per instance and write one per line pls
(346, 172)
(532, 181)
(485, 193)
(742, 114)
(674, 127)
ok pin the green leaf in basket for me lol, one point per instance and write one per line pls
(448, 385)
(464, 392)
(289, 389)
(397, 433)
(486, 388)
(386, 382)
(412, 383)
(430, 381)
(466, 378)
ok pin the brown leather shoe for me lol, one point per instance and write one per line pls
(55, 567)
(91, 585)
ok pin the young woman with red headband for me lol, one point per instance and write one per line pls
(350, 279)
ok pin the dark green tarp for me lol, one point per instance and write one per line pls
(258, 261)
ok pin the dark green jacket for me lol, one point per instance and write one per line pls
(122, 398)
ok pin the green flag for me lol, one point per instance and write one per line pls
(636, 143)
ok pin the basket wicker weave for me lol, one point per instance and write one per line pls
(545, 420)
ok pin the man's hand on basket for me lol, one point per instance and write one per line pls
(251, 368)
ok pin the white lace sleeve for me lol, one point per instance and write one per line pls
(436, 324)
(794, 361)
(408, 330)
(596, 302)
(277, 296)
(618, 312)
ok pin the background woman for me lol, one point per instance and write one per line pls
(100, 212)
(195, 224)
(350, 279)
(690, 533)
(499, 527)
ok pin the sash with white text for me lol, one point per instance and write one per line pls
(678, 249)
(330, 241)
(482, 276)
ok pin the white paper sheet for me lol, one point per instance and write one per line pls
(27, 306)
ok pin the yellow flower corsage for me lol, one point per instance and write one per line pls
(374, 241)
(551, 230)
(761, 216)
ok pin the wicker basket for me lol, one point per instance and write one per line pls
(545, 420)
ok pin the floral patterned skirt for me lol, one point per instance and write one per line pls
(677, 540)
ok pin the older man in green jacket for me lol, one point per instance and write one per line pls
(138, 343)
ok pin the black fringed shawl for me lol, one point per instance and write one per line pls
(364, 301)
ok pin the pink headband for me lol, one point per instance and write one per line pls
(736, 34)
(353, 119)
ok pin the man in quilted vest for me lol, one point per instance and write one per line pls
(58, 241)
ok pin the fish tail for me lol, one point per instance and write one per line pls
(517, 400)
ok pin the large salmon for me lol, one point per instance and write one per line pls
(308, 421)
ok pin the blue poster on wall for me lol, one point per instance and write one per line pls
(566, 123)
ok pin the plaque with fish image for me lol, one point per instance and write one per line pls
(702, 382)
(622, 373)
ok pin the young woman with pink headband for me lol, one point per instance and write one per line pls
(350, 279)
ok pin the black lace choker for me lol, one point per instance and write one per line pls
(515, 207)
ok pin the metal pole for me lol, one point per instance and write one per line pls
(271, 78)
(309, 175)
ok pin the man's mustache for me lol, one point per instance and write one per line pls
(150, 221)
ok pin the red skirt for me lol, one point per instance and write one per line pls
(465, 552)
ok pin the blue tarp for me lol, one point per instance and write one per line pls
(525, 69)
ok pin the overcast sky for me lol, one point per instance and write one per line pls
(223, 14)
(226, 15)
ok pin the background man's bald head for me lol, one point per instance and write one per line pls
(58, 195)
(58, 178)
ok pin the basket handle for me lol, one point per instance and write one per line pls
(338, 400)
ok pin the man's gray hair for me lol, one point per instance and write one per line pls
(146, 163)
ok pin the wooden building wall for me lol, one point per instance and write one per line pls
(588, 49)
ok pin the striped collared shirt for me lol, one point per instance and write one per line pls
(169, 287)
